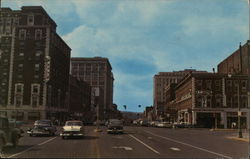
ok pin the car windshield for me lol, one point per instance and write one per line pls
(115, 122)
(43, 123)
(73, 123)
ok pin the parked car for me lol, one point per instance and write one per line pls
(154, 123)
(72, 128)
(8, 135)
(115, 126)
(42, 127)
(164, 125)
(182, 125)
(144, 123)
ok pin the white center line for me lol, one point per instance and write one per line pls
(144, 144)
(202, 149)
(175, 149)
(46, 141)
(14, 155)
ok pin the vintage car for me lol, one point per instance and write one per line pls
(9, 136)
(115, 126)
(42, 127)
(73, 128)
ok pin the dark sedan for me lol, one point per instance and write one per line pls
(115, 126)
(42, 127)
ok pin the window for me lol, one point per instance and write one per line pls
(38, 34)
(38, 53)
(34, 100)
(19, 88)
(217, 85)
(199, 84)
(229, 85)
(20, 76)
(208, 84)
(22, 34)
(18, 101)
(244, 85)
(21, 54)
(20, 65)
(35, 88)
(16, 21)
(30, 20)
(37, 66)
(229, 102)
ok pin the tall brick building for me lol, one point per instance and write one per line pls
(34, 65)
(97, 72)
(161, 80)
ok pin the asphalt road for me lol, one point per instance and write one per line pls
(136, 142)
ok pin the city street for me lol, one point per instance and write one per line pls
(136, 142)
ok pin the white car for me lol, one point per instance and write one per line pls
(164, 125)
(72, 128)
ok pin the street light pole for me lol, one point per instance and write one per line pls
(239, 113)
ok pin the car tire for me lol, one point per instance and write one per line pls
(63, 137)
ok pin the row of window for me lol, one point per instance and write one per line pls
(25, 34)
(19, 90)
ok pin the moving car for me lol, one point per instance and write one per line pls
(72, 128)
(182, 125)
(164, 125)
(8, 135)
(115, 126)
(42, 127)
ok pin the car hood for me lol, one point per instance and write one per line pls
(72, 128)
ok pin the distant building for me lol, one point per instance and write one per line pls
(212, 100)
(80, 100)
(97, 72)
(237, 63)
(34, 66)
(161, 80)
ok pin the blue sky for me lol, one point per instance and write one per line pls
(144, 37)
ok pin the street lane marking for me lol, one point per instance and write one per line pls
(175, 149)
(14, 155)
(46, 141)
(123, 147)
(144, 144)
(202, 149)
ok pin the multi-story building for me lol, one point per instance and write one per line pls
(212, 99)
(161, 80)
(80, 100)
(97, 72)
(237, 63)
(34, 65)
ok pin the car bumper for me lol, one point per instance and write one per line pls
(71, 134)
(115, 130)
(38, 133)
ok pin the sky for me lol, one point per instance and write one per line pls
(144, 37)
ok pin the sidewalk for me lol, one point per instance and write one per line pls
(235, 136)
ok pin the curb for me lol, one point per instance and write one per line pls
(239, 139)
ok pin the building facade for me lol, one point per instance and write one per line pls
(161, 80)
(237, 63)
(80, 100)
(97, 72)
(34, 65)
(212, 100)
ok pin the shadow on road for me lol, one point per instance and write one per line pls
(12, 150)
(84, 138)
